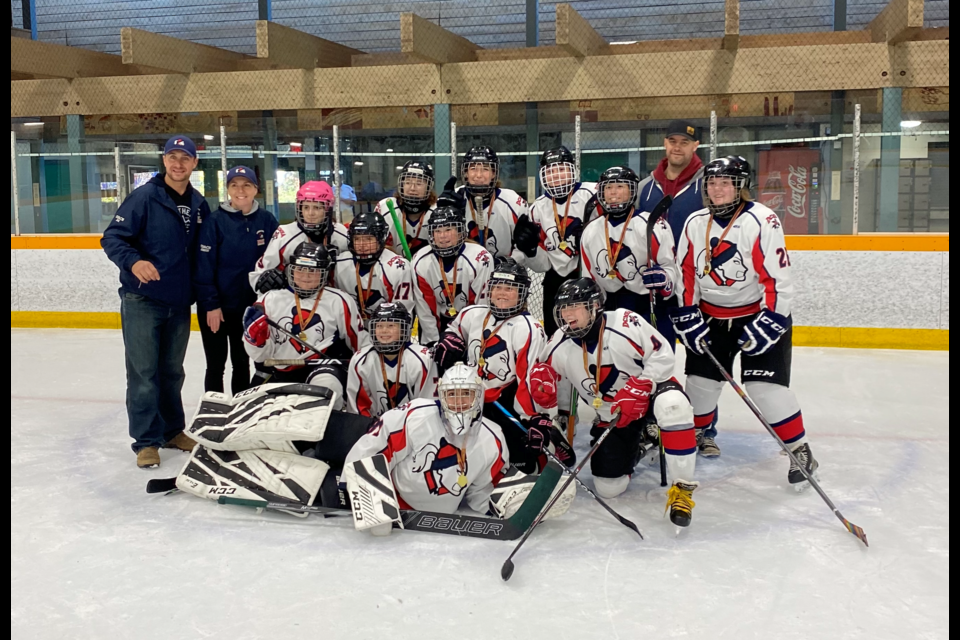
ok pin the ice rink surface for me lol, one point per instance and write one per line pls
(93, 556)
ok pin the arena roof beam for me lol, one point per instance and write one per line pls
(731, 25)
(576, 36)
(174, 55)
(280, 47)
(422, 38)
(33, 59)
(900, 20)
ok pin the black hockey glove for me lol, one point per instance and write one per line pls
(449, 196)
(449, 351)
(526, 236)
(270, 280)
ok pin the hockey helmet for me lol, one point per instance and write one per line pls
(385, 340)
(308, 269)
(582, 292)
(446, 218)
(312, 218)
(508, 273)
(558, 172)
(733, 171)
(367, 224)
(617, 191)
(415, 185)
(483, 158)
(461, 401)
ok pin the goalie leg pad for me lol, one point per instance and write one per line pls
(371, 494)
(274, 476)
(513, 489)
(259, 418)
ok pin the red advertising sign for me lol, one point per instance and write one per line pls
(789, 183)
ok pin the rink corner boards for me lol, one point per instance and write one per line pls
(845, 337)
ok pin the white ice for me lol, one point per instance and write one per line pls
(94, 556)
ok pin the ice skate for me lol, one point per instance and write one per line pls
(797, 480)
(680, 502)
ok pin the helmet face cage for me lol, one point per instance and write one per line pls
(314, 227)
(306, 267)
(390, 347)
(446, 252)
(593, 309)
(480, 158)
(371, 225)
(515, 277)
(558, 179)
(619, 206)
(723, 210)
(461, 400)
(413, 178)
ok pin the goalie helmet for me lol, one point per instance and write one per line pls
(386, 339)
(734, 169)
(461, 400)
(415, 186)
(617, 191)
(558, 172)
(445, 218)
(368, 224)
(480, 157)
(314, 204)
(507, 273)
(582, 292)
(308, 269)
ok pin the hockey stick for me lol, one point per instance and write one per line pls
(655, 215)
(852, 528)
(282, 362)
(580, 483)
(572, 416)
(506, 571)
(481, 219)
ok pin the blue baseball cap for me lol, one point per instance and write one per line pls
(242, 172)
(181, 143)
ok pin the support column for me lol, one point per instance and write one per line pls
(532, 116)
(269, 185)
(309, 159)
(77, 188)
(441, 144)
(834, 165)
(888, 204)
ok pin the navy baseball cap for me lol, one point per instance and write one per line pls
(242, 172)
(181, 143)
(683, 128)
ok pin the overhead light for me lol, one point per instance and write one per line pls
(389, 150)
(399, 168)
(910, 124)
(207, 136)
(358, 164)
(33, 124)
(296, 144)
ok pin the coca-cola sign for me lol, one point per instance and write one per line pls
(797, 182)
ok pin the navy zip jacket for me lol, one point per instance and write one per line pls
(688, 200)
(230, 245)
(148, 226)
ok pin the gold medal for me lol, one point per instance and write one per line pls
(303, 335)
(481, 362)
(452, 312)
(706, 268)
(597, 403)
(563, 246)
(462, 480)
(612, 275)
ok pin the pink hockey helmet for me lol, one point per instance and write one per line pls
(314, 191)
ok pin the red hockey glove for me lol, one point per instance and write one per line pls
(633, 400)
(543, 385)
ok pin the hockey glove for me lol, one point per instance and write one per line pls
(449, 196)
(541, 433)
(763, 332)
(691, 327)
(271, 279)
(449, 351)
(543, 385)
(526, 235)
(256, 331)
(633, 400)
(656, 278)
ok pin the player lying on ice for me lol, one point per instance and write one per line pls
(620, 361)
(272, 445)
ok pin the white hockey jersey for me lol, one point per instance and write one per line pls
(749, 270)
(428, 472)
(285, 239)
(573, 218)
(472, 267)
(510, 348)
(335, 328)
(500, 213)
(389, 280)
(631, 254)
(410, 375)
(418, 235)
(631, 347)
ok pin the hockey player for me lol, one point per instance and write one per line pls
(368, 271)
(314, 224)
(502, 340)
(451, 273)
(736, 294)
(413, 202)
(319, 315)
(620, 361)
(549, 236)
(614, 252)
(391, 371)
(491, 210)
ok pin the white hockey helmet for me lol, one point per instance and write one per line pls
(461, 399)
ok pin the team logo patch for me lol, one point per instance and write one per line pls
(726, 264)
(440, 468)
(626, 267)
(260, 238)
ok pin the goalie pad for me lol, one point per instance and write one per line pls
(513, 489)
(273, 476)
(371, 495)
(271, 416)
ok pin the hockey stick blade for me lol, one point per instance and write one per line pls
(161, 485)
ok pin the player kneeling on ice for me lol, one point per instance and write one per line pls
(502, 340)
(319, 326)
(736, 293)
(620, 361)
(392, 371)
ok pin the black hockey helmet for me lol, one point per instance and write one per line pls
(483, 156)
(558, 172)
(415, 185)
(368, 223)
(619, 204)
(573, 293)
(734, 168)
(308, 269)
(507, 272)
(385, 313)
(442, 218)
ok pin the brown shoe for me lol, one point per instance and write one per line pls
(181, 441)
(148, 457)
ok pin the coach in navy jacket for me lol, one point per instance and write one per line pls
(152, 239)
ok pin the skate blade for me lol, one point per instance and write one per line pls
(800, 487)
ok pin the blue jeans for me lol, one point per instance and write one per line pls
(155, 339)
